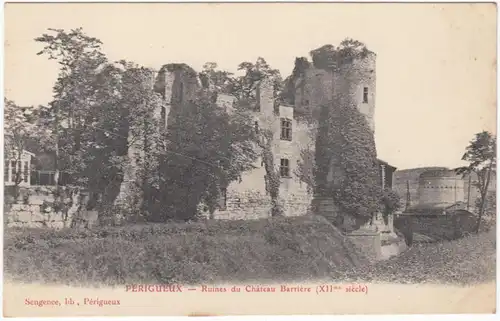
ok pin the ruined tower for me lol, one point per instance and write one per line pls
(352, 81)
(130, 198)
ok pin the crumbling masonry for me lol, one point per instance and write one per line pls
(294, 126)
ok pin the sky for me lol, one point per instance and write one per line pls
(436, 64)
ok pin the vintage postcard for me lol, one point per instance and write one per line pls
(174, 159)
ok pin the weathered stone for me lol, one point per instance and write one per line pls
(35, 224)
(55, 224)
(368, 242)
(55, 216)
(38, 216)
(17, 207)
(36, 199)
(34, 208)
(16, 224)
(23, 216)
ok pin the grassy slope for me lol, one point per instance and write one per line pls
(468, 260)
(280, 249)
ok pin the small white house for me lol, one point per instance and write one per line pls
(14, 165)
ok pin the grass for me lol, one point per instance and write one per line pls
(469, 260)
(284, 249)
(217, 251)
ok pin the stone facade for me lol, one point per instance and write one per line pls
(248, 199)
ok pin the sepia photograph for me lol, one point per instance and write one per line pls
(174, 159)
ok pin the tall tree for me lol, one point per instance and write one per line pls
(481, 156)
(78, 56)
(207, 149)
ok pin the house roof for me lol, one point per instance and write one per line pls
(28, 152)
(386, 164)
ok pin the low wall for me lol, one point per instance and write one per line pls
(251, 204)
(432, 228)
(368, 242)
(34, 207)
(246, 205)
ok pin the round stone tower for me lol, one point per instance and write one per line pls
(440, 189)
(355, 82)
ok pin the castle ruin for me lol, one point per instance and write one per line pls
(294, 124)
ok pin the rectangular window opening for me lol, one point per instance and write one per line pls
(365, 95)
(286, 129)
(26, 172)
(13, 169)
(285, 167)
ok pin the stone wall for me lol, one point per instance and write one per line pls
(248, 197)
(34, 207)
(440, 189)
(244, 205)
(368, 242)
(431, 228)
(316, 87)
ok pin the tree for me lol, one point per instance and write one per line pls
(101, 110)
(246, 86)
(481, 156)
(216, 80)
(79, 56)
(207, 149)
(329, 56)
(246, 89)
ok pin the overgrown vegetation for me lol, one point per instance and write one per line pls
(467, 261)
(216, 251)
(104, 129)
(278, 249)
(208, 148)
(347, 166)
(481, 156)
